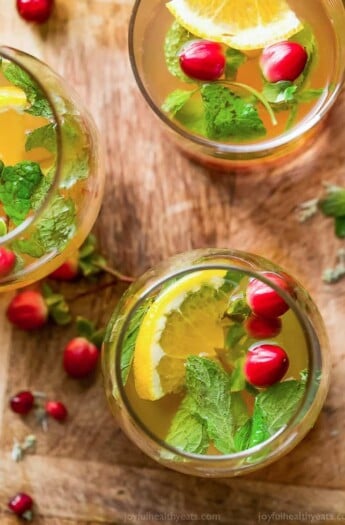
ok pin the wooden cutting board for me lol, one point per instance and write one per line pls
(156, 204)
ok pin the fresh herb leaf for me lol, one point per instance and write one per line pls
(42, 189)
(54, 230)
(238, 308)
(239, 411)
(209, 387)
(90, 262)
(192, 116)
(234, 335)
(234, 60)
(188, 431)
(229, 115)
(17, 186)
(18, 77)
(57, 306)
(77, 164)
(333, 204)
(3, 227)
(308, 95)
(87, 329)
(238, 382)
(131, 337)
(43, 137)
(176, 38)
(232, 279)
(279, 92)
(273, 410)
(176, 100)
(340, 227)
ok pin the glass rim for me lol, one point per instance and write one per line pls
(306, 125)
(11, 54)
(312, 385)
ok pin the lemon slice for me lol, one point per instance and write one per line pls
(242, 24)
(12, 97)
(184, 319)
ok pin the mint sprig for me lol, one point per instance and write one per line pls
(234, 60)
(43, 137)
(58, 308)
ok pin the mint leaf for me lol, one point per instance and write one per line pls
(77, 164)
(238, 381)
(238, 308)
(234, 335)
(18, 77)
(188, 431)
(176, 100)
(280, 92)
(55, 229)
(239, 411)
(278, 404)
(17, 186)
(242, 436)
(42, 188)
(90, 260)
(176, 38)
(57, 306)
(209, 387)
(308, 95)
(232, 279)
(130, 338)
(228, 115)
(192, 116)
(333, 204)
(234, 59)
(87, 329)
(43, 137)
(339, 225)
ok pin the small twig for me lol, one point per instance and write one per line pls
(120, 276)
(92, 291)
(308, 209)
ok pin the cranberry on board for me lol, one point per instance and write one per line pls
(28, 310)
(283, 61)
(264, 300)
(68, 271)
(56, 410)
(35, 10)
(265, 364)
(20, 504)
(22, 402)
(202, 60)
(260, 327)
(7, 261)
(80, 357)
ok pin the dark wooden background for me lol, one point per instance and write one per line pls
(156, 204)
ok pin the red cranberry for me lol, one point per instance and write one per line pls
(22, 402)
(283, 61)
(265, 364)
(35, 10)
(56, 410)
(80, 357)
(202, 59)
(68, 271)
(264, 300)
(28, 310)
(21, 504)
(7, 261)
(260, 327)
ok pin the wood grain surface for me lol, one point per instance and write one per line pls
(158, 203)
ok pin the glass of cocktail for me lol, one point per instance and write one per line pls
(51, 173)
(238, 84)
(216, 362)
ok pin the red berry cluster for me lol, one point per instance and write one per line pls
(266, 363)
(23, 402)
(205, 60)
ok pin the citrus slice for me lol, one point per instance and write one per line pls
(241, 24)
(12, 97)
(184, 319)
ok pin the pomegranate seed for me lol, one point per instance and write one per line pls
(7, 261)
(35, 10)
(28, 310)
(262, 327)
(80, 357)
(22, 402)
(202, 59)
(20, 504)
(68, 271)
(264, 300)
(56, 410)
(265, 364)
(283, 61)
